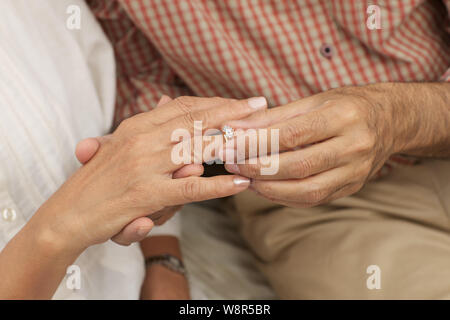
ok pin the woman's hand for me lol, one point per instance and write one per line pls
(139, 228)
(131, 175)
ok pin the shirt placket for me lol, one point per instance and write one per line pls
(11, 219)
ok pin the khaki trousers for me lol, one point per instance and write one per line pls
(399, 223)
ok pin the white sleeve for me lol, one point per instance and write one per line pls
(171, 228)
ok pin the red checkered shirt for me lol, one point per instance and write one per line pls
(281, 49)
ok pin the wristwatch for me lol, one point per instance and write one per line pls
(167, 260)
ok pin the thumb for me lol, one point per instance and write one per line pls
(88, 147)
(164, 99)
(135, 231)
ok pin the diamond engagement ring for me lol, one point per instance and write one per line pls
(228, 132)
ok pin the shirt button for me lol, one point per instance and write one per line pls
(326, 51)
(9, 214)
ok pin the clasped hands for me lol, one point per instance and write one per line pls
(330, 144)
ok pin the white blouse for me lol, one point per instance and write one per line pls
(57, 86)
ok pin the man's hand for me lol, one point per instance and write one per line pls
(333, 142)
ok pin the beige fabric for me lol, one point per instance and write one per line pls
(400, 223)
(219, 264)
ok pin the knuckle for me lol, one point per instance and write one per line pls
(188, 120)
(290, 136)
(349, 113)
(251, 170)
(185, 101)
(207, 116)
(191, 190)
(319, 122)
(301, 168)
(365, 143)
(328, 159)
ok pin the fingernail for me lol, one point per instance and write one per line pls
(142, 232)
(257, 102)
(241, 181)
(232, 168)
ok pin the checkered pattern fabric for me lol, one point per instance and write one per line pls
(281, 49)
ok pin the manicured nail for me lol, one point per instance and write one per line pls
(142, 232)
(232, 168)
(239, 181)
(257, 102)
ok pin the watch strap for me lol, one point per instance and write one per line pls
(167, 260)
